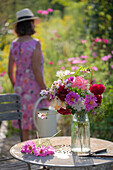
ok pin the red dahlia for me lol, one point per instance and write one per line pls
(64, 111)
(62, 92)
(99, 99)
(97, 89)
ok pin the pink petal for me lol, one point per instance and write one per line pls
(95, 68)
(50, 10)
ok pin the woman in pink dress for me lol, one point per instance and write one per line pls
(26, 55)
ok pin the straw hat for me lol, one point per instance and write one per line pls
(26, 14)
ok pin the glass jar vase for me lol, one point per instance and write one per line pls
(80, 134)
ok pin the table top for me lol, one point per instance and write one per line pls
(63, 157)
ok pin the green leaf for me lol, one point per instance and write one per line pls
(109, 17)
(101, 13)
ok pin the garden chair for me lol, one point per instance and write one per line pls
(10, 109)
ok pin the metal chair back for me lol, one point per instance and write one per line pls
(10, 109)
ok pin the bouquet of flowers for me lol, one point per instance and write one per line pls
(73, 92)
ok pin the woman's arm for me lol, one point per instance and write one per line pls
(36, 66)
(11, 66)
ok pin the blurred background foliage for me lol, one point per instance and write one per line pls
(77, 32)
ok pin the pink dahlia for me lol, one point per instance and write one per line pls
(80, 83)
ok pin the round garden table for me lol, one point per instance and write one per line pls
(64, 159)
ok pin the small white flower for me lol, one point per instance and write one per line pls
(60, 74)
(67, 72)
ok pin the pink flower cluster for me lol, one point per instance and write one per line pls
(45, 12)
(101, 40)
(77, 60)
(29, 147)
(106, 58)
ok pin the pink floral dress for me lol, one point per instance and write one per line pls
(25, 84)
